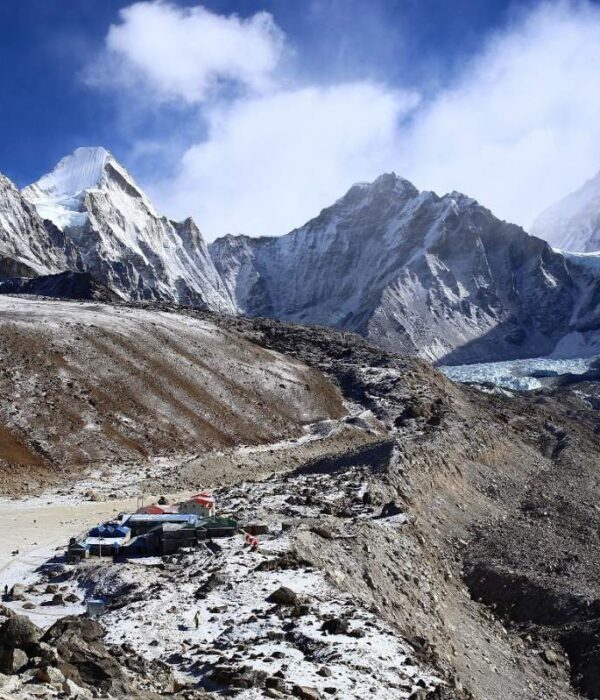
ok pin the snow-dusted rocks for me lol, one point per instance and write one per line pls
(27, 246)
(573, 223)
(437, 276)
(123, 241)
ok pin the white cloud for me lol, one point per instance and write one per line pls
(521, 127)
(187, 53)
(270, 163)
(518, 128)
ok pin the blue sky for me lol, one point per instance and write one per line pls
(46, 110)
(401, 77)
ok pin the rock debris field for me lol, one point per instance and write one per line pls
(269, 624)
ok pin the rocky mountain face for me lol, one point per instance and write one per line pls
(440, 277)
(413, 272)
(122, 240)
(573, 223)
(28, 247)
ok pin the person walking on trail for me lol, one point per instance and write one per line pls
(197, 619)
(6, 590)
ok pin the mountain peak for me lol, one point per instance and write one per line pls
(58, 195)
(74, 173)
(573, 223)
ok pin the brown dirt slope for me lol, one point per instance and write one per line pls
(83, 383)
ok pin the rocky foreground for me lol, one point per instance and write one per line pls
(480, 582)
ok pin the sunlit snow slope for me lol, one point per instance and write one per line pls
(123, 241)
(573, 223)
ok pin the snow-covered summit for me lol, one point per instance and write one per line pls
(573, 223)
(58, 196)
(123, 241)
(74, 173)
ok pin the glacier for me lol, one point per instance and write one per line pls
(518, 375)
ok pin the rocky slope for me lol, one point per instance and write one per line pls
(416, 273)
(62, 285)
(27, 246)
(94, 384)
(484, 563)
(122, 240)
(499, 494)
(573, 223)
(72, 660)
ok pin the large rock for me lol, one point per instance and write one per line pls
(83, 657)
(336, 625)
(306, 693)
(51, 675)
(213, 582)
(18, 592)
(19, 632)
(283, 596)
(12, 660)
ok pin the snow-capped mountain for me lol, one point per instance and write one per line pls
(414, 272)
(28, 247)
(440, 277)
(573, 223)
(123, 241)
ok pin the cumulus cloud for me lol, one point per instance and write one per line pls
(188, 53)
(521, 126)
(518, 127)
(271, 162)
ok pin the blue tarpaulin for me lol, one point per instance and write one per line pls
(109, 530)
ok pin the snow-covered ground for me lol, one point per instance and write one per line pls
(520, 375)
(152, 602)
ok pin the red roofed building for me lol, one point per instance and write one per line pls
(156, 509)
(202, 504)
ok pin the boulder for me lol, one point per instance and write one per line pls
(213, 582)
(72, 690)
(283, 596)
(51, 675)
(83, 657)
(18, 592)
(305, 693)
(336, 625)
(275, 682)
(12, 661)
(323, 532)
(5, 611)
(47, 654)
(19, 632)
